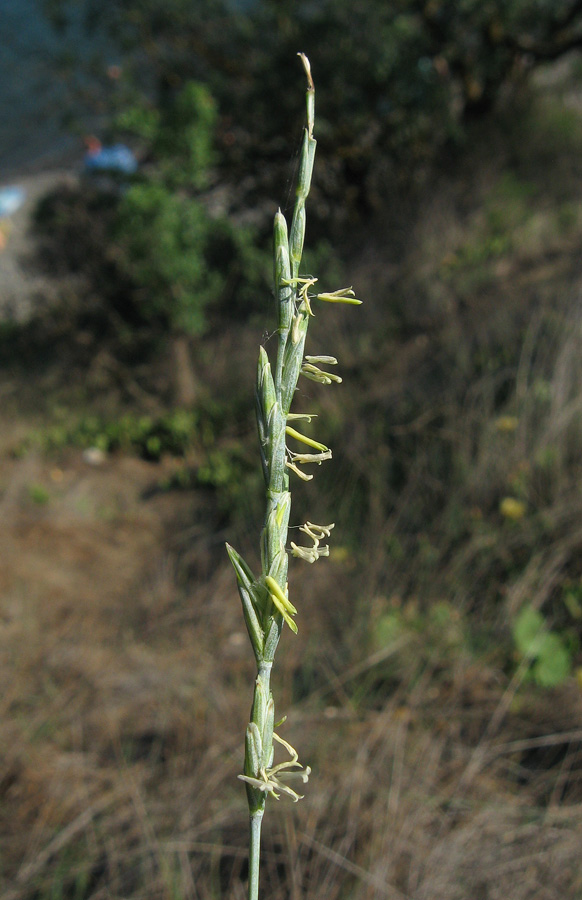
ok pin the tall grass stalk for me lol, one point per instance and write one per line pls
(265, 600)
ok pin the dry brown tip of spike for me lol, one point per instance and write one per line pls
(307, 67)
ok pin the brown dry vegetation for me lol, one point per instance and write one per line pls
(439, 770)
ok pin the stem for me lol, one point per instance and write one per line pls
(257, 803)
(256, 821)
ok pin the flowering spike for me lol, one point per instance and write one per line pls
(265, 600)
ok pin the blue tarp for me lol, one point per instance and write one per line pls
(117, 158)
(11, 198)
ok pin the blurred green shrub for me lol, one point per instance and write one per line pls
(38, 494)
(147, 436)
(230, 473)
(159, 252)
(180, 257)
(163, 241)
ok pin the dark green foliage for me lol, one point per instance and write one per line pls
(178, 136)
(179, 256)
(401, 78)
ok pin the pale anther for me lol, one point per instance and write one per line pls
(303, 475)
(326, 360)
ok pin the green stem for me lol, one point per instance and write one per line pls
(256, 814)
(257, 799)
(256, 821)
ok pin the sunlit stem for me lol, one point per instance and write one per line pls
(256, 820)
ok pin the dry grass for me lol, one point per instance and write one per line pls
(119, 765)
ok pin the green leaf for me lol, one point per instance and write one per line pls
(528, 631)
(244, 572)
(554, 662)
(388, 629)
(251, 600)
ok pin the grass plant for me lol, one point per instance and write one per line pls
(265, 600)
